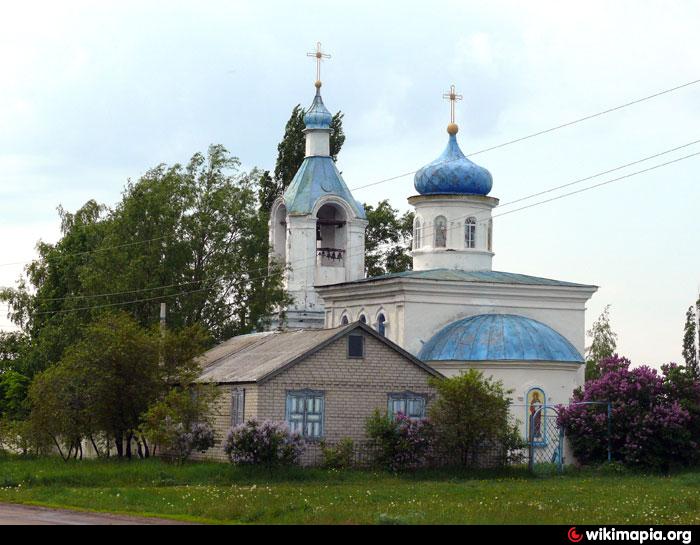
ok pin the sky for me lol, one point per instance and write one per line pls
(92, 94)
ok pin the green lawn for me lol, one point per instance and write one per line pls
(210, 492)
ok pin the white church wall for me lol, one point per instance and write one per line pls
(557, 380)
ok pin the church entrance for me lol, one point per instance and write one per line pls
(545, 441)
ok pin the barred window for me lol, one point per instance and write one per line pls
(408, 403)
(305, 412)
(470, 233)
(417, 233)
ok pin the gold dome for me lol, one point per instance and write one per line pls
(452, 128)
(318, 84)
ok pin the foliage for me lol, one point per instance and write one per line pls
(179, 423)
(388, 239)
(189, 235)
(470, 414)
(106, 381)
(20, 437)
(338, 456)
(267, 443)
(13, 394)
(290, 155)
(649, 425)
(402, 443)
(603, 344)
(690, 341)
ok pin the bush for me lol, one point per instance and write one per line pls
(471, 416)
(402, 443)
(269, 443)
(340, 456)
(199, 437)
(650, 427)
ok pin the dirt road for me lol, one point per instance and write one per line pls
(27, 514)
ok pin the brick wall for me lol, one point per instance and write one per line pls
(353, 389)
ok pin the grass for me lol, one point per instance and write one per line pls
(211, 492)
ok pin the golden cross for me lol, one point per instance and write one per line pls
(453, 97)
(319, 55)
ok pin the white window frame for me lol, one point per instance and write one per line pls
(470, 233)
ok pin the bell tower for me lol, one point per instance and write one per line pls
(317, 228)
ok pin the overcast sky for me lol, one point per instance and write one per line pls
(94, 93)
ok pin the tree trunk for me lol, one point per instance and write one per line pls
(128, 445)
(139, 450)
(118, 442)
(94, 445)
(60, 450)
(146, 450)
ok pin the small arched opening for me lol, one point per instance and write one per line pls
(279, 232)
(381, 324)
(331, 236)
(470, 233)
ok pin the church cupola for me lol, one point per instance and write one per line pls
(317, 228)
(453, 227)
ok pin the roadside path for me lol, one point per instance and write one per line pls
(29, 514)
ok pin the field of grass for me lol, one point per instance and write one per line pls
(210, 492)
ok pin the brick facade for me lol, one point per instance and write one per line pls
(353, 389)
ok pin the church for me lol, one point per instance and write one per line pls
(452, 311)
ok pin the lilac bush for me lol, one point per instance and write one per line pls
(199, 437)
(268, 443)
(401, 442)
(649, 426)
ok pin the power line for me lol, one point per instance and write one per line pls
(425, 228)
(504, 144)
(545, 131)
(160, 297)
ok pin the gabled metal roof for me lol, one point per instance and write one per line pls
(489, 277)
(260, 356)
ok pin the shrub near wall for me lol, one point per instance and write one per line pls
(649, 426)
(267, 443)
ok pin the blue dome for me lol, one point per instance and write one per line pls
(453, 174)
(499, 337)
(317, 116)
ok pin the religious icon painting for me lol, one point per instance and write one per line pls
(535, 417)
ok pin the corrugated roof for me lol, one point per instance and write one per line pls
(249, 358)
(255, 357)
(488, 277)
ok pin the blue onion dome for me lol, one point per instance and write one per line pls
(499, 337)
(318, 116)
(452, 173)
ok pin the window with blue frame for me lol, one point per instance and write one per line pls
(408, 403)
(305, 412)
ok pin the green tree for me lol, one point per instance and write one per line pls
(690, 336)
(290, 155)
(603, 344)
(388, 239)
(107, 381)
(471, 413)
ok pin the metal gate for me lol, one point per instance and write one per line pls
(545, 441)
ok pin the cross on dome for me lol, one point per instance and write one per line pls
(319, 55)
(453, 97)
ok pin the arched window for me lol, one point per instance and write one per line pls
(381, 324)
(363, 318)
(344, 320)
(470, 233)
(417, 233)
(440, 232)
(490, 236)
